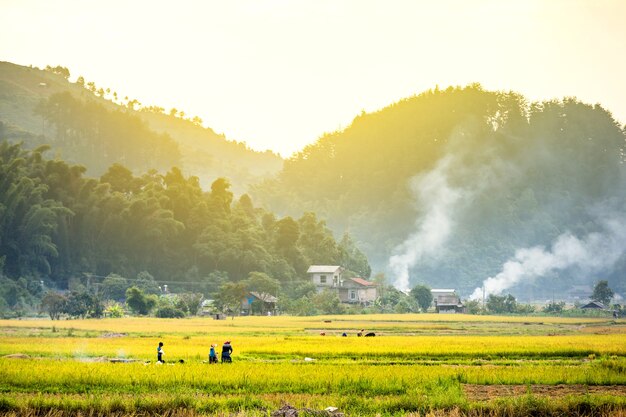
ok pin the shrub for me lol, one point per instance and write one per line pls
(169, 312)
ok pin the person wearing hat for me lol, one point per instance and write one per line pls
(160, 353)
(212, 354)
(227, 349)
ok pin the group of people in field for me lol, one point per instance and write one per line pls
(227, 350)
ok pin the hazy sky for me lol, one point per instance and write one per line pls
(277, 74)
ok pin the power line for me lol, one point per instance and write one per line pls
(88, 275)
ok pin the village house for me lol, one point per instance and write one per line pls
(354, 290)
(594, 305)
(325, 276)
(258, 302)
(446, 301)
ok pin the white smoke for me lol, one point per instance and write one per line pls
(593, 253)
(438, 198)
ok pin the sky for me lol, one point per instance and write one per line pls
(278, 74)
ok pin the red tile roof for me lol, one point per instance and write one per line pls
(363, 282)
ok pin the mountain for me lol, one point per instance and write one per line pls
(42, 106)
(451, 187)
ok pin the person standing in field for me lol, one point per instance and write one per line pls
(227, 349)
(212, 354)
(160, 353)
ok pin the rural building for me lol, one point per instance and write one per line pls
(349, 290)
(325, 276)
(436, 292)
(264, 303)
(593, 305)
(357, 291)
(446, 301)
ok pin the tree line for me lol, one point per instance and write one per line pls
(98, 137)
(58, 227)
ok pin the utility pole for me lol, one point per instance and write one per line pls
(483, 297)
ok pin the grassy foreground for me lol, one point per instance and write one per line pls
(417, 364)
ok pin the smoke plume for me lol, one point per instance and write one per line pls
(594, 253)
(433, 228)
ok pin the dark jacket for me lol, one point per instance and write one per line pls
(227, 349)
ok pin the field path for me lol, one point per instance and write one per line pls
(490, 392)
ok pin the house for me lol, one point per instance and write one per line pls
(349, 290)
(593, 305)
(449, 304)
(325, 276)
(436, 292)
(446, 301)
(264, 303)
(357, 291)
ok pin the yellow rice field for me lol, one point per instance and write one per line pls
(415, 364)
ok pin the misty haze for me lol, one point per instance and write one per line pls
(312, 208)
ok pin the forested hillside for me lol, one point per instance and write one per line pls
(448, 185)
(95, 127)
(58, 225)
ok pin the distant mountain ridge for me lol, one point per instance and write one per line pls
(198, 150)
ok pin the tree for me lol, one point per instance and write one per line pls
(189, 302)
(390, 296)
(262, 283)
(501, 304)
(82, 304)
(602, 292)
(221, 197)
(54, 304)
(230, 296)
(59, 70)
(352, 258)
(121, 179)
(423, 296)
(139, 302)
(328, 302)
(473, 307)
(114, 287)
(287, 234)
(145, 282)
(406, 305)
(554, 307)
(303, 306)
(169, 312)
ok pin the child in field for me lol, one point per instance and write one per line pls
(160, 353)
(212, 355)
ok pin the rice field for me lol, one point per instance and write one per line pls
(416, 365)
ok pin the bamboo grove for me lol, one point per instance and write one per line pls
(58, 225)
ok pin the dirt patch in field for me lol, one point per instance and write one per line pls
(490, 392)
(17, 356)
(113, 335)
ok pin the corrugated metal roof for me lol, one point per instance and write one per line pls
(268, 298)
(594, 304)
(447, 299)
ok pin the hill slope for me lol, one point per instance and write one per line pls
(79, 138)
(444, 188)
